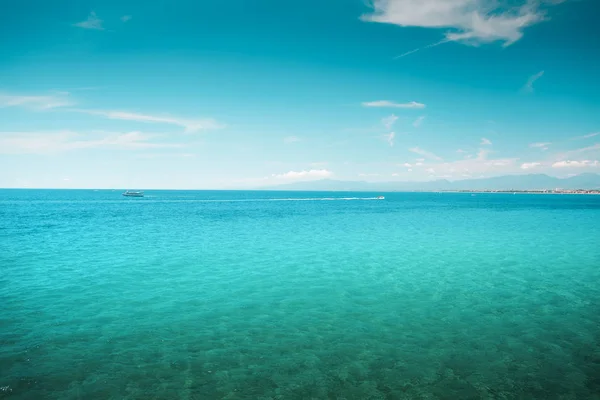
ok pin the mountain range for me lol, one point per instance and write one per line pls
(506, 182)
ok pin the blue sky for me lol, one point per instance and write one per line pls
(239, 94)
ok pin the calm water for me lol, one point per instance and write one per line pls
(234, 295)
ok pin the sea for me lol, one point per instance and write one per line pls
(298, 295)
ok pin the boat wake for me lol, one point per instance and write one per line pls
(326, 199)
(272, 199)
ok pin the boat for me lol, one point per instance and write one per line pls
(128, 193)
(380, 198)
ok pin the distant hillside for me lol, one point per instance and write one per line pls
(507, 182)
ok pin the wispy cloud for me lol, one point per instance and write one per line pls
(61, 141)
(126, 18)
(390, 138)
(530, 165)
(35, 102)
(408, 53)
(391, 104)
(477, 166)
(588, 136)
(578, 152)
(471, 22)
(485, 142)
(304, 175)
(540, 145)
(190, 125)
(92, 22)
(291, 139)
(418, 122)
(528, 88)
(425, 153)
(576, 164)
(388, 122)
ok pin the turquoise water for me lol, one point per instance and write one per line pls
(234, 295)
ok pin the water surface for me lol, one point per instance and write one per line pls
(293, 295)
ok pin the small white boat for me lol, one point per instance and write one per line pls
(128, 193)
(380, 198)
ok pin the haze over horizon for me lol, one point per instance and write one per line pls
(218, 95)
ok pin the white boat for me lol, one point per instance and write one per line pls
(128, 193)
(380, 198)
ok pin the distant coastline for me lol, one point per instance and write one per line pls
(555, 191)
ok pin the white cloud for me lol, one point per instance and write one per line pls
(461, 151)
(590, 135)
(470, 21)
(61, 141)
(304, 175)
(479, 165)
(291, 139)
(530, 165)
(532, 79)
(485, 142)
(126, 18)
(418, 122)
(540, 145)
(92, 22)
(388, 122)
(476, 166)
(407, 165)
(576, 164)
(424, 153)
(391, 104)
(190, 126)
(35, 102)
(390, 138)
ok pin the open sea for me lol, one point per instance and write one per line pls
(296, 295)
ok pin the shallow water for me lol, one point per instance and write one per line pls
(232, 295)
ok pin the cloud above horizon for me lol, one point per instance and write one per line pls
(417, 123)
(291, 139)
(540, 145)
(470, 21)
(44, 102)
(388, 122)
(190, 125)
(391, 104)
(62, 141)
(304, 175)
(92, 22)
(528, 88)
(390, 138)
(425, 153)
(530, 165)
(590, 135)
(576, 164)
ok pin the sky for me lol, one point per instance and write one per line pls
(241, 94)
